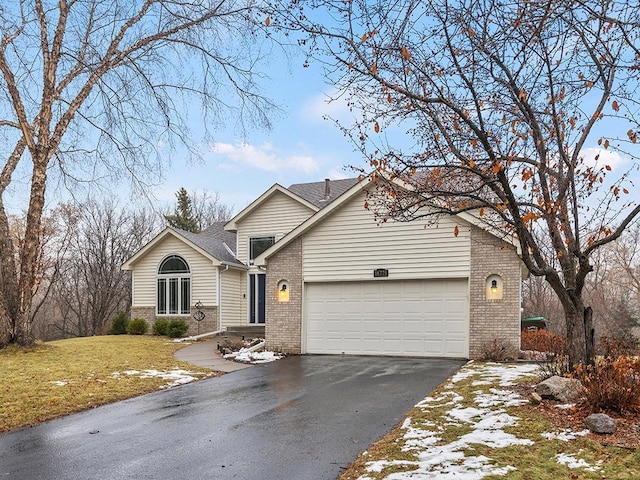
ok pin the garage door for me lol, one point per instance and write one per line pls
(408, 318)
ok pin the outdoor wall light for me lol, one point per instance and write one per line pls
(494, 288)
(283, 291)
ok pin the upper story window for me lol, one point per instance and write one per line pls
(257, 245)
(174, 287)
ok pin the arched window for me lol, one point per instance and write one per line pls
(174, 287)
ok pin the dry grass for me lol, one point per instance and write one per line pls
(57, 378)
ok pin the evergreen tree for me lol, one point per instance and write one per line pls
(183, 217)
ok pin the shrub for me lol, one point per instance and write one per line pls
(612, 383)
(177, 328)
(616, 346)
(137, 326)
(555, 365)
(497, 350)
(543, 341)
(161, 327)
(119, 323)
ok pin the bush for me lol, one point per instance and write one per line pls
(161, 327)
(119, 324)
(137, 326)
(612, 383)
(177, 328)
(497, 350)
(543, 341)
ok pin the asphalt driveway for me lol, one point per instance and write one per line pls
(298, 418)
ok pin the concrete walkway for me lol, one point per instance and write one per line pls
(204, 354)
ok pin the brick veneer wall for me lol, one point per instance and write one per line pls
(493, 319)
(284, 319)
(209, 324)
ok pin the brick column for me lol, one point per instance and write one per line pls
(493, 319)
(283, 324)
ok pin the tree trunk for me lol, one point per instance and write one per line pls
(580, 332)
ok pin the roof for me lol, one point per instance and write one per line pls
(315, 192)
(356, 187)
(212, 240)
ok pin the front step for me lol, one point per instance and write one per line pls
(248, 331)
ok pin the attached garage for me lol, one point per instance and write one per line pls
(410, 318)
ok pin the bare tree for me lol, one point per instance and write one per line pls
(518, 112)
(208, 209)
(91, 87)
(92, 287)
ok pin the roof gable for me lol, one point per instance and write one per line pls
(232, 225)
(210, 243)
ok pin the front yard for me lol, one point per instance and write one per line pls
(57, 378)
(480, 424)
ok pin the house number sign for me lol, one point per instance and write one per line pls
(380, 272)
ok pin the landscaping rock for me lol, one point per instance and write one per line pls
(561, 389)
(535, 399)
(601, 423)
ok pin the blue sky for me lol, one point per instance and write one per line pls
(302, 145)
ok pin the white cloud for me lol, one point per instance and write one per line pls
(265, 157)
(330, 104)
(605, 157)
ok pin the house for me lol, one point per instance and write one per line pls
(311, 265)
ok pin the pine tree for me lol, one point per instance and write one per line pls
(183, 217)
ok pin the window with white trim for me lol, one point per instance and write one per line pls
(174, 287)
(258, 245)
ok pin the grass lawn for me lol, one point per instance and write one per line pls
(57, 378)
(479, 426)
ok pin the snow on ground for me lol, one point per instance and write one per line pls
(487, 420)
(175, 376)
(572, 462)
(245, 355)
(565, 435)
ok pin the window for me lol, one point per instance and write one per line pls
(257, 245)
(174, 287)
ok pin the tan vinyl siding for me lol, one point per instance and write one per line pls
(349, 245)
(233, 283)
(276, 217)
(203, 273)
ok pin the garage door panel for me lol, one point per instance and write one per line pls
(388, 318)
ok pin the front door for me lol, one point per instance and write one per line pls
(256, 297)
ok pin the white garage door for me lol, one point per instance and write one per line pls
(409, 318)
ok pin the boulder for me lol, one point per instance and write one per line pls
(566, 390)
(601, 423)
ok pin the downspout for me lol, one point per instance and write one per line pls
(219, 280)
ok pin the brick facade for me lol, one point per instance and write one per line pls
(493, 319)
(209, 324)
(284, 319)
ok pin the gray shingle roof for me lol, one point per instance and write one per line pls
(212, 241)
(314, 192)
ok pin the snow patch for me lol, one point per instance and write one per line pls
(564, 435)
(59, 383)
(572, 462)
(244, 355)
(175, 377)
